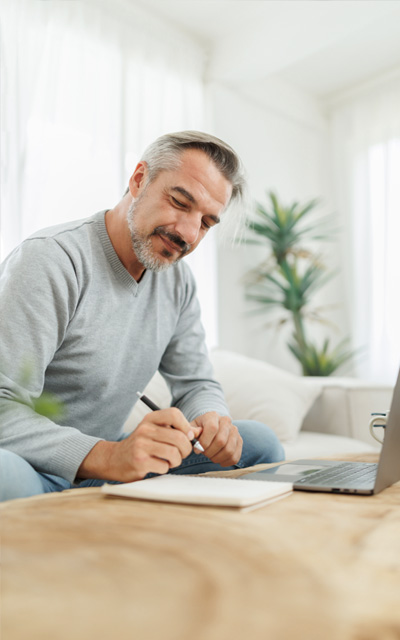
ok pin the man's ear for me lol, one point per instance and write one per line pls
(138, 179)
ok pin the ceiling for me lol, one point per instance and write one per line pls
(323, 47)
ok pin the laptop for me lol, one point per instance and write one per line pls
(345, 477)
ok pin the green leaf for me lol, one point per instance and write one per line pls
(49, 406)
(320, 361)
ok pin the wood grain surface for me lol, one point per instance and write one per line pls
(311, 566)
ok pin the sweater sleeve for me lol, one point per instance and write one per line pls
(185, 364)
(39, 292)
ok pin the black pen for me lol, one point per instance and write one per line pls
(154, 407)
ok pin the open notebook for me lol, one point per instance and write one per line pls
(202, 490)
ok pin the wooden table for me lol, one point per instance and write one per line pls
(311, 566)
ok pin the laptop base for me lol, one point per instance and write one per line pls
(328, 476)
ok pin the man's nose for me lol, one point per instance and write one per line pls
(189, 228)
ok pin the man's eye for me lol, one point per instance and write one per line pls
(176, 202)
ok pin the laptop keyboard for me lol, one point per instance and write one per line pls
(343, 475)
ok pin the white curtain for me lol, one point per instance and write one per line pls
(85, 86)
(366, 138)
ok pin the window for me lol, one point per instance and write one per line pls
(85, 87)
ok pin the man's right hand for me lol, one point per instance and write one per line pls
(153, 447)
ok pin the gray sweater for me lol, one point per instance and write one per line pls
(71, 315)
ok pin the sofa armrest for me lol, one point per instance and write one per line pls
(344, 407)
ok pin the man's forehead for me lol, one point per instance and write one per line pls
(197, 174)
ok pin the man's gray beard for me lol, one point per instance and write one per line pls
(142, 245)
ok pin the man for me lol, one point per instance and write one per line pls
(93, 308)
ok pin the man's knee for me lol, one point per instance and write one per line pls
(18, 479)
(260, 443)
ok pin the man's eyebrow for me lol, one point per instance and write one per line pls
(191, 199)
(184, 193)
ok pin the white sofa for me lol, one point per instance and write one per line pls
(313, 417)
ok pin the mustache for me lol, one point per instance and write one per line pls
(177, 240)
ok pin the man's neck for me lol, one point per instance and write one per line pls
(118, 232)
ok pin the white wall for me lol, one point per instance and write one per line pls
(283, 140)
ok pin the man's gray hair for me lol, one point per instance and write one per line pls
(165, 154)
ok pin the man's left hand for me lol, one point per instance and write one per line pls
(219, 438)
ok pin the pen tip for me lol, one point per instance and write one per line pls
(139, 394)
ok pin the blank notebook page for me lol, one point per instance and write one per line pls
(200, 490)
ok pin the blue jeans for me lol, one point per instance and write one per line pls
(18, 479)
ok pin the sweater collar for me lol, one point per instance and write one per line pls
(120, 271)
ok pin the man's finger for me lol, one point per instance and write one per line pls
(171, 417)
(210, 425)
(221, 438)
(166, 452)
(162, 434)
(226, 458)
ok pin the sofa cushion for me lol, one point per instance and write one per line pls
(345, 405)
(256, 390)
(324, 445)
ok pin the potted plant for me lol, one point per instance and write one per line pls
(289, 278)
